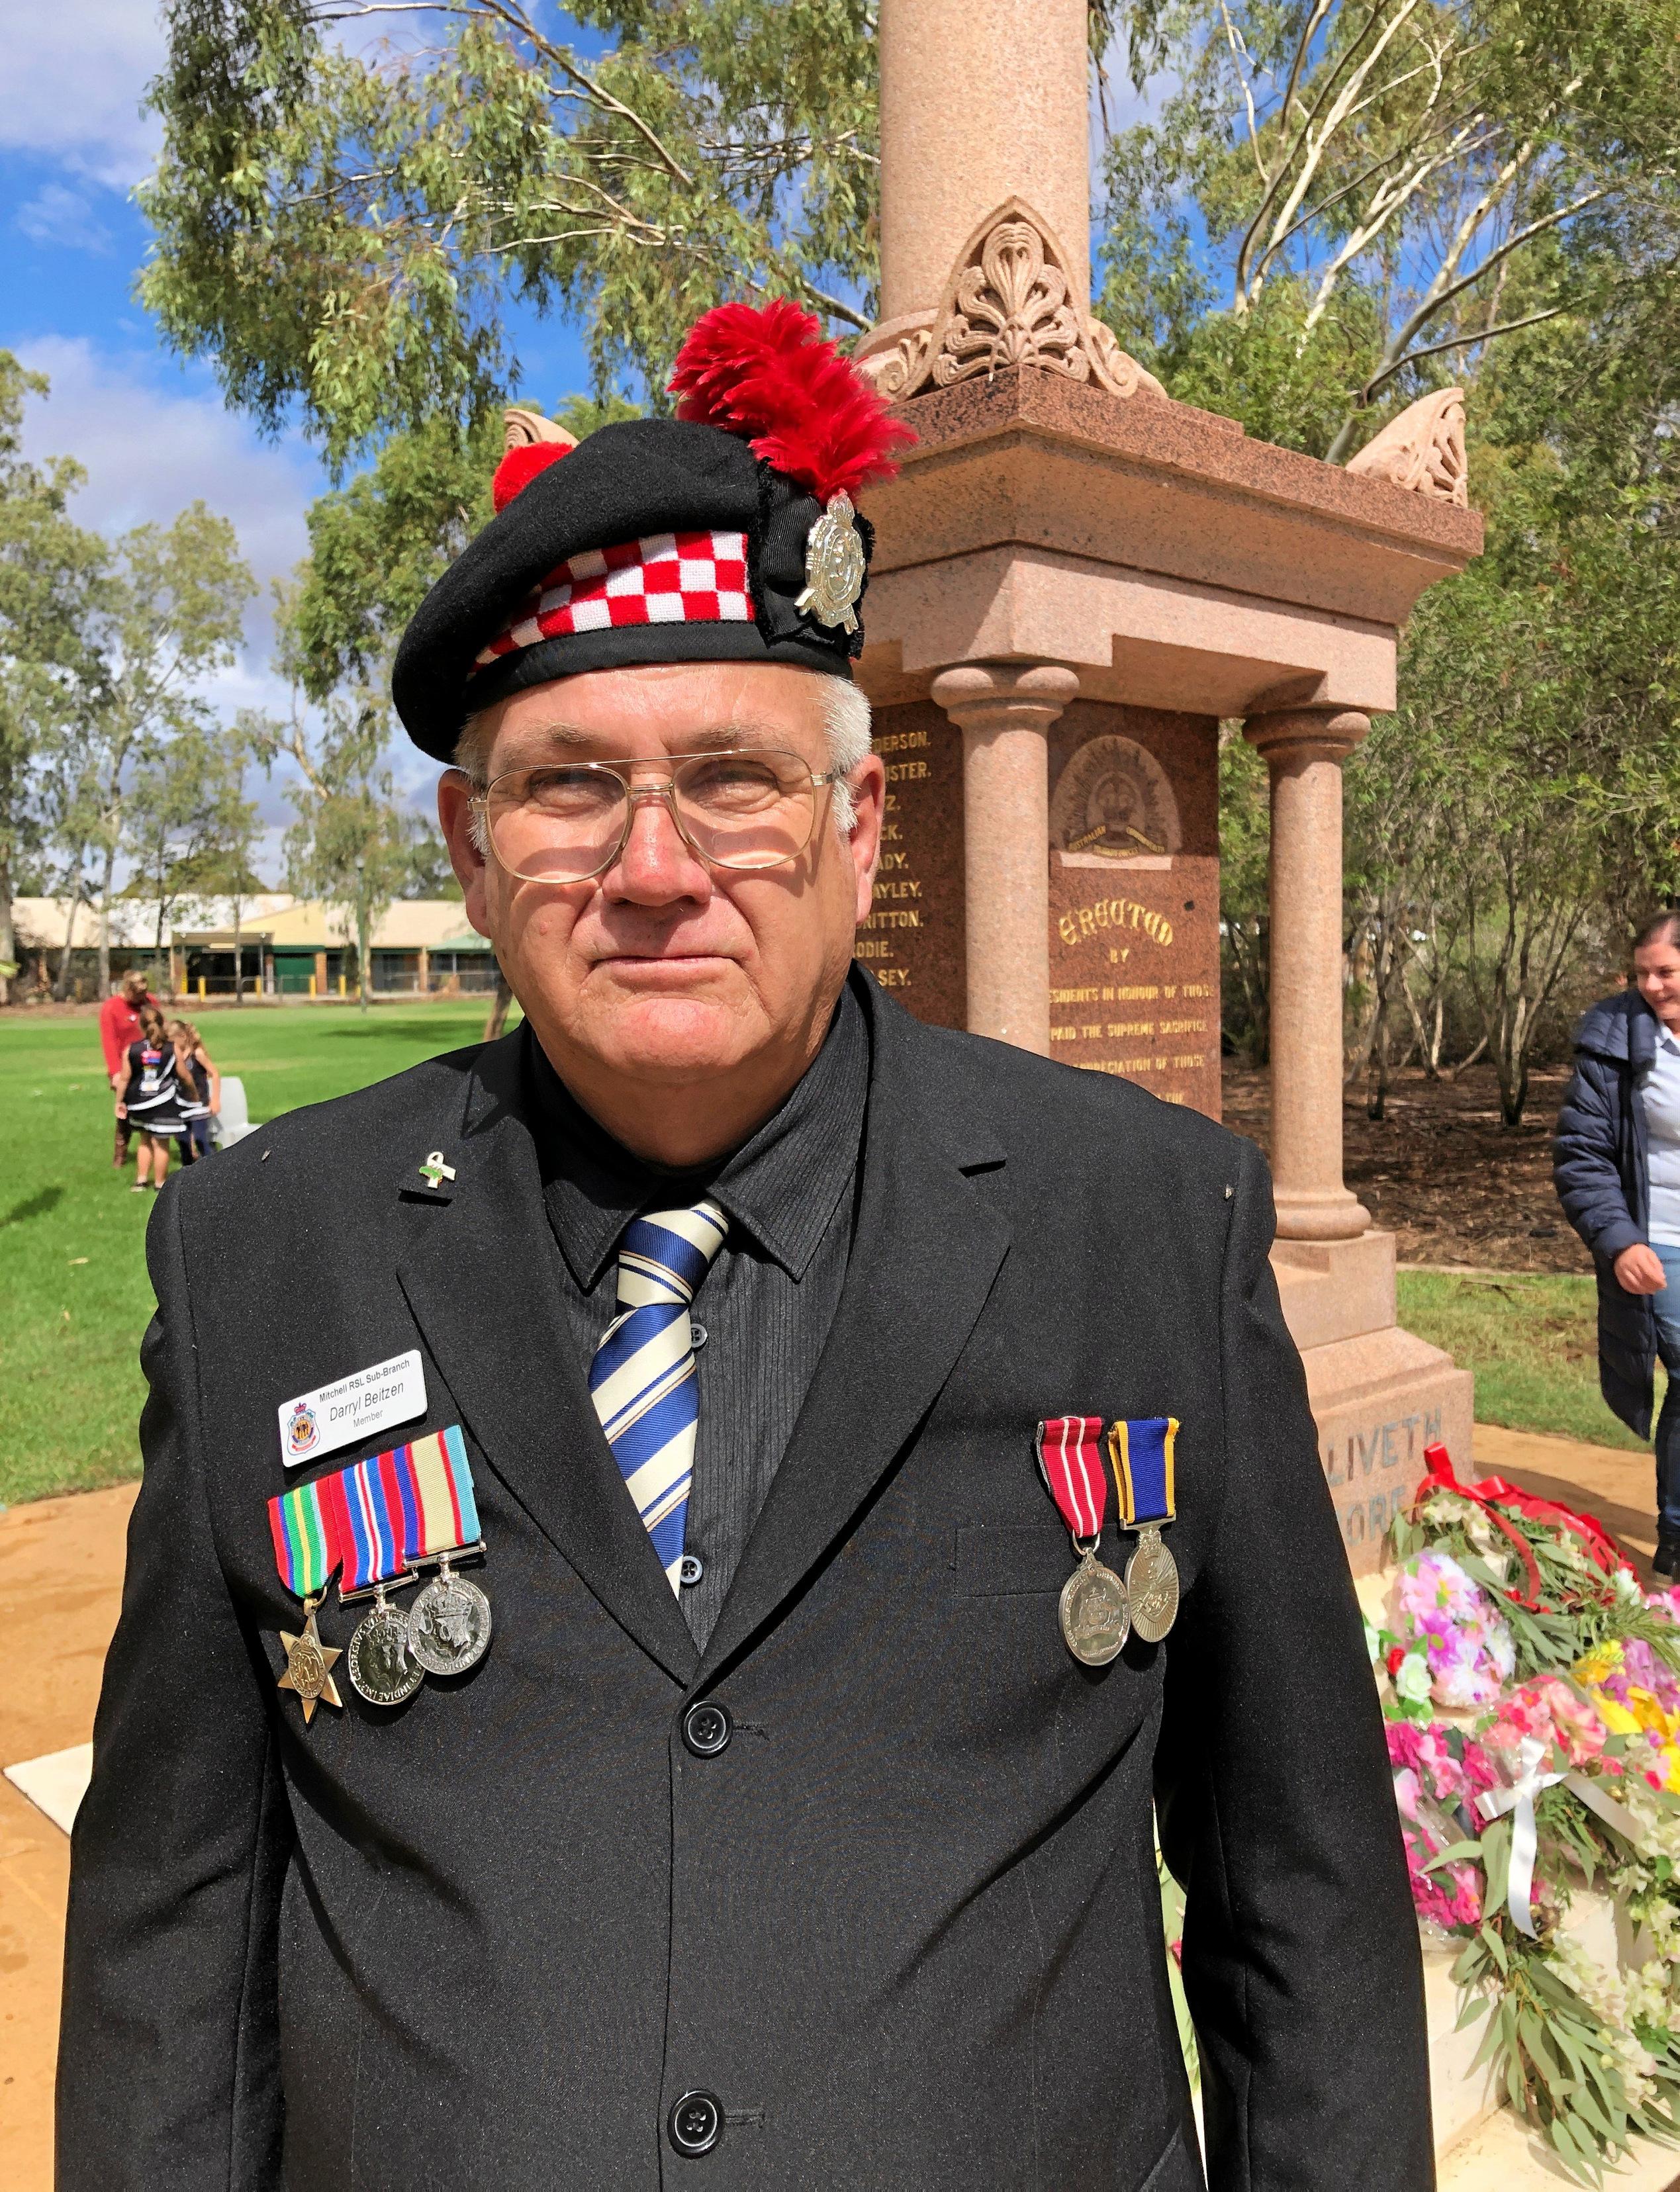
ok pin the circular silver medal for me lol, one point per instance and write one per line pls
(1095, 1617)
(449, 1625)
(382, 1668)
(1152, 1586)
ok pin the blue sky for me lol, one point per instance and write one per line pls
(151, 431)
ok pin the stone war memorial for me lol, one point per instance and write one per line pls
(1077, 581)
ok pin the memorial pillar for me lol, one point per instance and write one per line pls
(980, 99)
(1305, 748)
(1003, 710)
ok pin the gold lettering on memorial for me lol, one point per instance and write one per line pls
(1084, 920)
(900, 741)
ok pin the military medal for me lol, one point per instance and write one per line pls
(1095, 1616)
(305, 1554)
(365, 1504)
(449, 1624)
(376, 1523)
(449, 1621)
(382, 1665)
(1141, 1451)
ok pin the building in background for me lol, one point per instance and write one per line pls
(285, 947)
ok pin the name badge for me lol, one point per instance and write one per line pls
(351, 1409)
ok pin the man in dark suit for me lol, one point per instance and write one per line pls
(779, 1834)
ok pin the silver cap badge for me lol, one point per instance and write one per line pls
(834, 566)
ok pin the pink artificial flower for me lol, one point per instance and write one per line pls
(1435, 1609)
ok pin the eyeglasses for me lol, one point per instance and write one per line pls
(567, 822)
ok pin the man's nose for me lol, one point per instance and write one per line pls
(657, 864)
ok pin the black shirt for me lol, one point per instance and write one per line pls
(766, 1303)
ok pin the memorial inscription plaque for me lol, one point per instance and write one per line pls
(1133, 858)
(1134, 944)
(912, 942)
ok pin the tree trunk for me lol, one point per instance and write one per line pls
(8, 934)
(362, 967)
(499, 1007)
(105, 920)
(61, 985)
(238, 955)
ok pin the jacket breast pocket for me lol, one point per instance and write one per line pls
(1005, 1560)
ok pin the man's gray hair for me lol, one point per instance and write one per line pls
(846, 718)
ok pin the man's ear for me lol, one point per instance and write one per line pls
(455, 816)
(868, 781)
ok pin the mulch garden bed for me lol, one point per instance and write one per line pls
(1458, 1189)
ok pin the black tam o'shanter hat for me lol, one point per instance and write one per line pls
(724, 534)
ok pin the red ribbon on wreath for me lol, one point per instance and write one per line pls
(1440, 1476)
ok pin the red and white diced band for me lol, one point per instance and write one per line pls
(665, 578)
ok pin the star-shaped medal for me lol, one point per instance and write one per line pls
(308, 1661)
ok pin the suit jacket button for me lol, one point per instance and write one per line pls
(706, 1729)
(696, 2123)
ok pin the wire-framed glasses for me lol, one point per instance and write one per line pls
(566, 821)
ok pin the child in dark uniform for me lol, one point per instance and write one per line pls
(151, 1101)
(200, 1089)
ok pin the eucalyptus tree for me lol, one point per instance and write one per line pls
(351, 192)
(1340, 202)
(51, 571)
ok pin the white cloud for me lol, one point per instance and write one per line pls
(150, 448)
(63, 216)
(75, 79)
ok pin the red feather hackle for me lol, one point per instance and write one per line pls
(767, 373)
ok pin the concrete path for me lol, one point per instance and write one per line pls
(60, 1581)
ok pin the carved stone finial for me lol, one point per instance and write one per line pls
(525, 427)
(1010, 301)
(1422, 450)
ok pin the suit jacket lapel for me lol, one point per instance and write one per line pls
(479, 1269)
(927, 1253)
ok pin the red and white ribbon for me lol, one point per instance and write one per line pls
(1070, 1461)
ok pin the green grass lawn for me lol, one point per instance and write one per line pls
(1532, 1341)
(74, 1295)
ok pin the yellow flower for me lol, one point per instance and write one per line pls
(1600, 1664)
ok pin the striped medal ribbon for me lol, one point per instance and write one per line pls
(1140, 1454)
(1093, 1609)
(376, 1523)
(306, 1552)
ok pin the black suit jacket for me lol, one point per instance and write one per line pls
(906, 1925)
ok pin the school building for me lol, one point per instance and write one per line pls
(282, 946)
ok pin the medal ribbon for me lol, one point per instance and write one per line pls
(306, 1548)
(1140, 1447)
(440, 1514)
(1071, 1463)
(377, 1517)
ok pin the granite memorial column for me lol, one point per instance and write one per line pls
(1003, 710)
(1305, 748)
(980, 99)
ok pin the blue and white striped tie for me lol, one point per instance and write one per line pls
(641, 1379)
